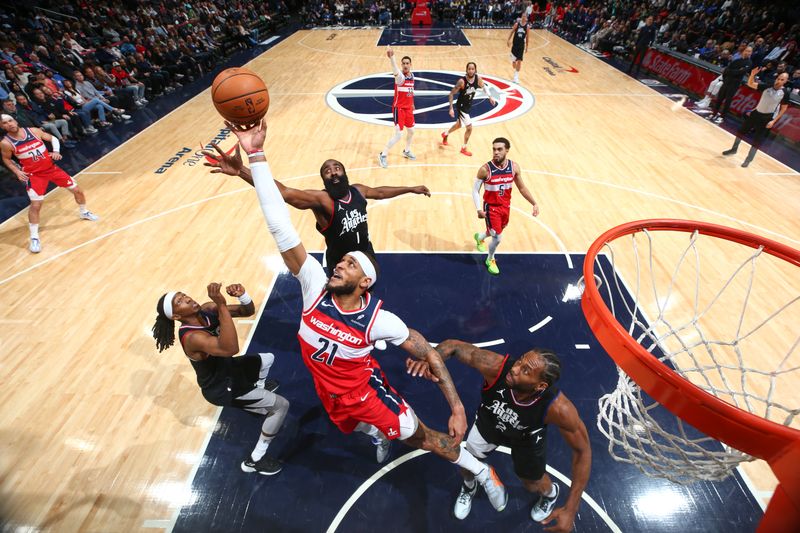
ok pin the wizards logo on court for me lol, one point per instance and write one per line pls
(369, 99)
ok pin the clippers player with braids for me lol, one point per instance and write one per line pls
(519, 399)
(27, 146)
(497, 178)
(518, 41)
(208, 338)
(466, 87)
(339, 324)
(402, 108)
(340, 210)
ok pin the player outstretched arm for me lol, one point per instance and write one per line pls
(487, 363)
(563, 414)
(382, 193)
(233, 165)
(251, 138)
(485, 89)
(398, 74)
(419, 348)
(199, 342)
(523, 190)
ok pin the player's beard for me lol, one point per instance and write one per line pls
(346, 288)
(337, 191)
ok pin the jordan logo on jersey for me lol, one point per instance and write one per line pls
(351, 220)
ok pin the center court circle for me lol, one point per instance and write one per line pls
(369, 99)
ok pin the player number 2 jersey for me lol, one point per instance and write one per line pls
(497, 187)
(31, 153)
(404, 93)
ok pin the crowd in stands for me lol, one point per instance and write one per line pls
(77, 66)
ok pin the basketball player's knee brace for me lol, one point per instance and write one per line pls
(274, 208)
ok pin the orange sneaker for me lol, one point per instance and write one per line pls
(444, 139)
(465, 151)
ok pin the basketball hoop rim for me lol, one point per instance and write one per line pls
(740, 429)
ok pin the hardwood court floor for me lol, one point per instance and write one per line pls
(100, 432)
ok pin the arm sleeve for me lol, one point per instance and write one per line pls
(476, 193)
(274, 208)
(312, 280)
(388, 327)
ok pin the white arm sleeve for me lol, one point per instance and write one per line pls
(274, 208)
(476, 194)
(56, 144)
(388, 327)
(312, 280)
(398, 74)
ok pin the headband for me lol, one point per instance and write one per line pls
(366, 265)
(167, 307)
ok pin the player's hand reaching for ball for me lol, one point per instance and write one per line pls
(564, 519)
(389, 52)
(235, 290)
(222, 162)
(251, 137)
(214, 293)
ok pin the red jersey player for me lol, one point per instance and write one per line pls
(27, 146)
(339, 325)
(402, 108)
(497, 178)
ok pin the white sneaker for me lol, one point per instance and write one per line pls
(88, 215)
(494, 488)
(408, 155)
(383, 161)
(544, 506)
(90, 130)
(718, 120)
(123, 116)
(464, 501)
(382, 448)
(35, 246)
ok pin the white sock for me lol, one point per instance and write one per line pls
(261, 447)
(470, 484)
(82, 208)
(482, 236)
(552, 492)
(34, 230)
(266, 363)
(467, 461)
(493, 244)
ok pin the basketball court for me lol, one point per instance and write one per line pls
(100, 432)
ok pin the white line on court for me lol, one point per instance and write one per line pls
(542, 323)
(416, 453)
(582, 347)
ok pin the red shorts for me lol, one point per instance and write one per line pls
(376, 403)
(37, 181)
(496, 217)
(404, 117)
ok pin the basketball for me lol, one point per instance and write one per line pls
(240, 96)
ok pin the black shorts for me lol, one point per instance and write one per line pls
(234, 377)
(528, 457)
(517, 53)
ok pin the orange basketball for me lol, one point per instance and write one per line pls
(240, 96)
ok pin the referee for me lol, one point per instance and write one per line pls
(731, 79)
(766, 113)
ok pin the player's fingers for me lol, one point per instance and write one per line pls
(218, 149)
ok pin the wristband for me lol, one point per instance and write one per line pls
(256, 151)
(245, 299)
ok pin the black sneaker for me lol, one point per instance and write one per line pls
(729, 152)
(266, 466)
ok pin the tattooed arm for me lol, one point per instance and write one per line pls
(486, 362)
(419, 348)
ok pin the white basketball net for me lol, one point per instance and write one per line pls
(729, 365)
